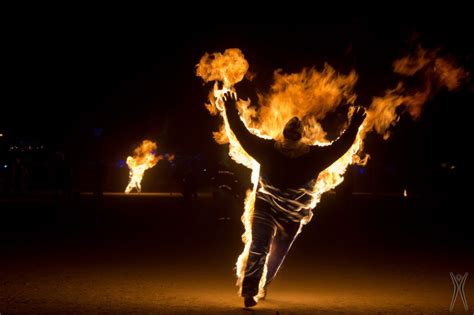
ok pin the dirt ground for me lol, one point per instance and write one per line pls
(127, 257)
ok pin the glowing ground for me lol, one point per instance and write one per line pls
(160, 256)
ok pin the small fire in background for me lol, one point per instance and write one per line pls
(144, 157)
(311, 95)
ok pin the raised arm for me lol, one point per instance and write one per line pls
(252, 144)
(325, 156)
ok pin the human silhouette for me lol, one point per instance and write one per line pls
(288, 170)
(20, 176)
(189, 186)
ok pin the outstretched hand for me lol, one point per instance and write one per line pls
(229, 98)
(359, 115)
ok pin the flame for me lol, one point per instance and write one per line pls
(143, 159)
(311, 95)
(432, 71)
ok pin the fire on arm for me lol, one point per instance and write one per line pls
(253, 145)
(323, 157)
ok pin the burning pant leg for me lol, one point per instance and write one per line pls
(263, 231)
(285, 236)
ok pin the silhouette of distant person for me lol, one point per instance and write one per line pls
(20, 175)
(100, 175)
(189, 187)
(288, 170)
(61, 174)
(100, 166)
(223, 185)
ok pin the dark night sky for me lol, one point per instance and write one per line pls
(139, 82)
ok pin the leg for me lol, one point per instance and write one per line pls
(263, 231)
(284, 238)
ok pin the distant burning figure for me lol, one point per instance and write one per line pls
(143, 158)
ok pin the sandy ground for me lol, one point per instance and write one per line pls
(162, 267)
(204, 285)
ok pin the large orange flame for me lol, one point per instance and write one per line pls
(143, 158)
(311, 95)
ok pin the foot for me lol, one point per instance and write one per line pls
(249, 301)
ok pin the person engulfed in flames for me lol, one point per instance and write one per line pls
(287, 176)
(143, 159)
(291, 171)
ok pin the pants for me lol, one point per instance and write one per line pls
(272, 236)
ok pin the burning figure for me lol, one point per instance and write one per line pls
(287, 175)
(143, 159)
(291, 169)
